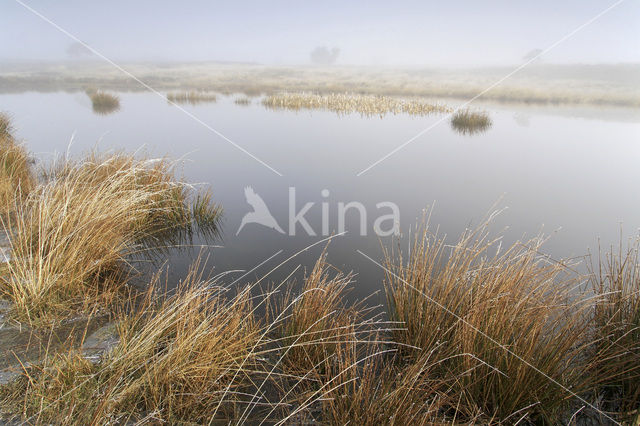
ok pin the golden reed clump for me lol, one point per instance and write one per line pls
(346, 103)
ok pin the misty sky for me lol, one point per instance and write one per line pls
(284, 32)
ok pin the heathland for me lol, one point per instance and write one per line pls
(613, 85)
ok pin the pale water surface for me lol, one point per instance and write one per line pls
(571, 173)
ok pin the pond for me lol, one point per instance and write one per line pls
(570, 173)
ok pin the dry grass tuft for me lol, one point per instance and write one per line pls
(103, 103)
(347, 103)
(192, 97)
(186, 358)
(469, 122)
(317, 319)
(72, 236)
(615, 362)
(16, 176)
(472, 308)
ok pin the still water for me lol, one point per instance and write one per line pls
(570, 173)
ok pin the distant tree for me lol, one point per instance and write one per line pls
(323, 56)
(78, 50)
(533, 55)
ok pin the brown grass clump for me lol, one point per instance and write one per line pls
(103, 103)
(16, 177)
(469, 122)
(316, 320)
(348, 103)
(71, 237)
(501, 323)
(192, 97)
(371, 386)
(615, 356)
(186, 358)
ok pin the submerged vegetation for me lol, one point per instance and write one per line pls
(192, 97)
(469, 122)
(473, 332)
(348, 103)
(103, 103)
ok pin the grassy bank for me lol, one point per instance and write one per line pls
(473, 332)
(610, 85)
(473, 337)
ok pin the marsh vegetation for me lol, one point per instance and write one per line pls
(467, 321)
(612, 85)
(469, 122)
(348, 103)
(103, 103)
(73, 232)
(192, 97)
(16, 176)
(466, 325)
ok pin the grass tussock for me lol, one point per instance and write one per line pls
(103, 103)
(469, 122)
(615, 357)
(192, 97)
(16, 176)
(347, 103)
(73, 235)
(501, 323)
(317, 319)
(183, 358)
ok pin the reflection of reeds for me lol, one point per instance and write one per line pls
(103, 103)
(345, 103)
(192, 97)
(242, 101)
(469, 122)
